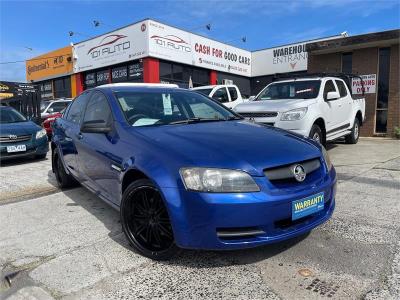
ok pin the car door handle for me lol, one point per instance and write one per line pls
(79, 136)
(68, 139)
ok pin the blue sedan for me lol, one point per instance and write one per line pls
(20, 137)
(185, 172)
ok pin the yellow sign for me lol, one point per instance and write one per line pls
(55, 63)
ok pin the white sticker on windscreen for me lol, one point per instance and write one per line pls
(167, 104)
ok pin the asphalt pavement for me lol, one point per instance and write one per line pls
(69, 244)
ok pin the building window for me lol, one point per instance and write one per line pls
(383, 91)
(180, 74)
(347, 63)
(62, 87)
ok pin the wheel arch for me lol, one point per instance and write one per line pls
(359, 117)
(130, 176)
(321, 123)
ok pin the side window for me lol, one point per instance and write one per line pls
(329, 87)
(233, 92)
(97, 109)
(221, 95)
(342, 88)
(76, 110)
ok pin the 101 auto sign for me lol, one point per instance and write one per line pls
(177, 45)
(119, 46)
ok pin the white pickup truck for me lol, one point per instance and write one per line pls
(228, 95)
(319, 107)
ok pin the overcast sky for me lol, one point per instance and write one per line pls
(44, 25)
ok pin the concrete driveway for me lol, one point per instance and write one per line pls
(69, 244)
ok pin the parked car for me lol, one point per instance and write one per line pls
(20, 137)
(48, 121)
(51, 107)
(186, 172)
(228, 95)
(319, 107)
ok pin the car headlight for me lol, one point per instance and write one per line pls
(326, 159)
(217, 180)
(295, 114)
(40, 134)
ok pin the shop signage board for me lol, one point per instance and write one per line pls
(49, 65)
(119, 46)
(135, 71)
(369, 84)
(170, 43)
(283, 59)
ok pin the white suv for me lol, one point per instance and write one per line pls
(321, 108)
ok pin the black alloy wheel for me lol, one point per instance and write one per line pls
(145, 221)
(317, 135)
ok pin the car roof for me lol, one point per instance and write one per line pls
(213, 86)
(139, 87)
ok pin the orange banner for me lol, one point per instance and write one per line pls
(54, 63)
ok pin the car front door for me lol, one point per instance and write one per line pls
(67, 134)
(221, 95)
(97, 152)
(331, 108)
(234, 95)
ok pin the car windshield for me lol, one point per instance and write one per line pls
(304, 89)
(204, 91)
(11, 116)
(43, 105)
(176, 107)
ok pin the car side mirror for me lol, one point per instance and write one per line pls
(95, 126)
(332, 96)
(50, 110)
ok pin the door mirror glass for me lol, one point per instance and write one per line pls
(95, 126)
(332, 96)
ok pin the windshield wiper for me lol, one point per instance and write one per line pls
(198, 120)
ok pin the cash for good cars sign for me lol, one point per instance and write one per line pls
(173, 44)
(118, 46)
(49, 65)
(369, 84)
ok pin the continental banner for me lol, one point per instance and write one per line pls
(52, 64)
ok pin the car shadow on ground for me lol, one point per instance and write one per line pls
(10, 162)
(187, 258)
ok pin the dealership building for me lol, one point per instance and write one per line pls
(153, 52)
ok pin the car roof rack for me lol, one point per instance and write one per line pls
(347, 77)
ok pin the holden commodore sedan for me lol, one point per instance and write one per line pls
(20, 137)
(185, 172)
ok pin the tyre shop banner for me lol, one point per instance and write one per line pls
(173, 44)
(119, 46)
(53, 64)
(369, 84)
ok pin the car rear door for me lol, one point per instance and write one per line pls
(345, 102)
(67, 132)
(98, 154)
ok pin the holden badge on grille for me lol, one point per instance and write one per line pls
(299, 173)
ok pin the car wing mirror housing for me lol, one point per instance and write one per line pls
(95, 126)
(332, 96)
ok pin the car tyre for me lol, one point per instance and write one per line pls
(64, 180)
(352, 138)
(317, 135)
(145, 221)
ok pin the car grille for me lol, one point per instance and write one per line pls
(14, 138)
(267, 114)
(285, 172)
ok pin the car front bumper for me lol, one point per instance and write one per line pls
(33, 147)
(202, 220)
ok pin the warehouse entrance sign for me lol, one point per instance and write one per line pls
(369, 84)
